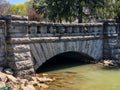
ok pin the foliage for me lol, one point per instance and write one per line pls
(41, 8)
(107, 11)
(6, 88)
(29, 5)
(117, 8)
(87, 8)
(19, 9)
(68, 10)
(64, 10)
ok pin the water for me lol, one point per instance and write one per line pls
(85, 77)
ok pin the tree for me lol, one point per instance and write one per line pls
(57, 7)
(33, 16)
(117, 9)
(41, 8)
(70, 10)
(18, 10)
(29, 5)
(55, 10)
(4, 7)
(86, 8)
(107, 11)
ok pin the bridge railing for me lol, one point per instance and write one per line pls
(37, 29)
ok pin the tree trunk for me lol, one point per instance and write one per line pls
(59, 18)
(80, 14)
(70, 19)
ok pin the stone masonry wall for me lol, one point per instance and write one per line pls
(111, 39)
(43, 51)
(3, 61)
(20, 40)
(18, 53)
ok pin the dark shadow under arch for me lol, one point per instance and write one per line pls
(65, 60)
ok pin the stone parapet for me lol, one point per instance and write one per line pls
(37, 29)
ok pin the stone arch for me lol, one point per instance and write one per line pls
(77, 55)
(43, 51)
(67, 57)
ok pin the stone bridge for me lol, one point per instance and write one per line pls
(26, 45)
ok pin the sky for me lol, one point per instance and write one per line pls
(15, 2)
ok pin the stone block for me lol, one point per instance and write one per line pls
(2, 59)
(23, 65)
(19, 48)
(1, 30)
(22, 56)
(10, 58)
(12, 65)
(24, 73)
(1, 35)
(19, 40)
(2, 54)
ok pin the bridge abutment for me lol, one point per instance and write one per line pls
(18, 55)
(111, 46)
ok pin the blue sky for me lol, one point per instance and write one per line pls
(15, 2)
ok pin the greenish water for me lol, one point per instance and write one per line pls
(85, 77)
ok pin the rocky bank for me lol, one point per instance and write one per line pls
(29, 83)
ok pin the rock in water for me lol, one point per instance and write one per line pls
(28, 87)
(44, 79)
(12, 79)
(8, 71)
(43, 86)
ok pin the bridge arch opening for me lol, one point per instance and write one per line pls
(66, 60)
